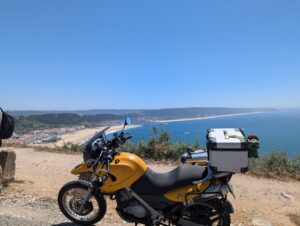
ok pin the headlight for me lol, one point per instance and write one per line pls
(97, 144)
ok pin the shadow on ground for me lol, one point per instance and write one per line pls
(66, 224)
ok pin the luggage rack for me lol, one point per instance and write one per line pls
(210, 175)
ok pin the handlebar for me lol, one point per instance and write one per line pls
(106, 147)
(121, 138)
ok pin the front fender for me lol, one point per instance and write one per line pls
(81, 168)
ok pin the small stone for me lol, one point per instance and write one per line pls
(286, 195)
(261, 222)
(245, 211)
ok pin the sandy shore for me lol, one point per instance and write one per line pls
(82, 135)
(205, 117)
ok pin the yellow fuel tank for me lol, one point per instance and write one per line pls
(126, 168)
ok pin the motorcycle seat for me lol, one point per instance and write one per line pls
(159, 183)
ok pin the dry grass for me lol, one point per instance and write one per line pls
(274, 175)
(276, 165)
(65, 149)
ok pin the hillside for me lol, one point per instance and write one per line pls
(165, 112)
(79, 112)
(34, 122)
(193, 112)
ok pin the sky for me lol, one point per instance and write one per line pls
(67, 55)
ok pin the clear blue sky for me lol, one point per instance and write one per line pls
(149, 54)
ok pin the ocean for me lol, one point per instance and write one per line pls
(277, 131)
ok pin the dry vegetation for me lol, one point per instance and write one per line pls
(276, 165)
(161, 148)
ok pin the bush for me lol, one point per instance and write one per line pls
(160, 147)
(276, 164)
(69, 147)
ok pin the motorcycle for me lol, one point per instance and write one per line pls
(189, 195)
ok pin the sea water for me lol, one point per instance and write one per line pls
(277, 131)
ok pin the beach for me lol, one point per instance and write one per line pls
(82, 135)
(205, 117)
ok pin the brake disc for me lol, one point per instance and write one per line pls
(75, 205)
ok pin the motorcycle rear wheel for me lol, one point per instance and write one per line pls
(70, 208)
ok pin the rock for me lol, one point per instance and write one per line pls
(261, 222)
(245, 211)
(286, 195)
(8, 164)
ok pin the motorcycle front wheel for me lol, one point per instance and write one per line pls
(70, 199)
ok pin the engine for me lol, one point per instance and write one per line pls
(136, 209)
(130, 205)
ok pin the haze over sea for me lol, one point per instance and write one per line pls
(277, 131)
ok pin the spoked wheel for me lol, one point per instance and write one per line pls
(209, 213)
(70, 201)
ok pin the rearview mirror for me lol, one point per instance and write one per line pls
(128, 121)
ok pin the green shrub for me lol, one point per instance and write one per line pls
(276, 164)
(160, 147)
(69, 147)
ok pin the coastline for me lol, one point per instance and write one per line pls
(85, 134)
(82, 135)
(115, 129)
(205, 117)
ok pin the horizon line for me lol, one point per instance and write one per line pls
(141, 109)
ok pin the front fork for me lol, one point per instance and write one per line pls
(93, 184)
(95, 181)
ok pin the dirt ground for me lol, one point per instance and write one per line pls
(40, 175)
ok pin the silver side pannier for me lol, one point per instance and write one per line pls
(227, 150)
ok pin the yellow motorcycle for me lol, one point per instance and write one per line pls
(189, 195)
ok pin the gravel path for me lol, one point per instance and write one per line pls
(31, 199)
(20, 209)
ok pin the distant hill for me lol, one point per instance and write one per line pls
(173, 113)
(166, 112)
(33, 120)
(43, 121)
(80, 112)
